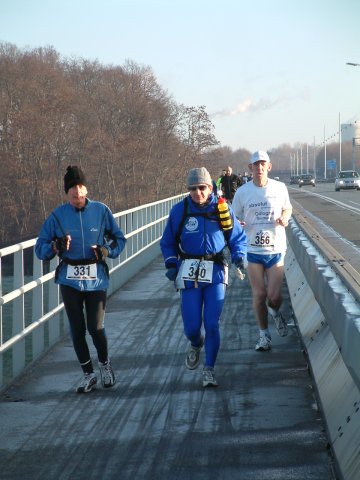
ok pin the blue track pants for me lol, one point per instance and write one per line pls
(199, 306)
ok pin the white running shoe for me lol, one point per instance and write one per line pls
(280, 324)
(107, 374)
(264, 344)
(209, 379)
(87, 383)
(192, 359)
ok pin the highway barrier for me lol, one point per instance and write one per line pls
(324, 292)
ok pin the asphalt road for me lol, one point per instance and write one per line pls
(339, 210)
(158, 422)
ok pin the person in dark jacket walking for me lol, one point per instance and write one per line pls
(193, 246)
(83, 233)
(229, 183)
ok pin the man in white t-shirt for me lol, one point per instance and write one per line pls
(263, 207)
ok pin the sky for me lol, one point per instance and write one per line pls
(268, 72)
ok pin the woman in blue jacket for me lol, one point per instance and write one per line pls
(193, 245)
(83, 233)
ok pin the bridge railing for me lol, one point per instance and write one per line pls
(32, 316)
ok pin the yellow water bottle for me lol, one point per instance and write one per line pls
(224, 214)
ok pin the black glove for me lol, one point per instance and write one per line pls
(100, 252)
(60, 245)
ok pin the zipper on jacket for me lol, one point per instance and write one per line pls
(82, 234)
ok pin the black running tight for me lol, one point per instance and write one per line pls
(94, 302)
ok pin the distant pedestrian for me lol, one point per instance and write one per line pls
(263, 207)
(229, 184)
(245, 178)
(218, 182)
(215, 188)
(193, 246)
(83, 233)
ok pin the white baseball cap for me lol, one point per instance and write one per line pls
(259, 156)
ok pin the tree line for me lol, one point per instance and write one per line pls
(133, 140)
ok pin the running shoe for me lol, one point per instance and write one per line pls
(193, 355)
(87, 383)
(280, 324)
(209, 379)
(107, 374)
(264, 344)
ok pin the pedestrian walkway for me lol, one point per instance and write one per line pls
(158, 422)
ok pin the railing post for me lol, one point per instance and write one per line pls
(38, 336)
(18, 317)
(1, 330)
(54, 300)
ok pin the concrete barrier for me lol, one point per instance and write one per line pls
(328, 318)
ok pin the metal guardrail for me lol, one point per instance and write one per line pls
(32, 316)
(339, 302)
(324, 292)
(349, 275)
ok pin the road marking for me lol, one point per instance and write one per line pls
(336, 202)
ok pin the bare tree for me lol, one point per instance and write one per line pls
(133, 140)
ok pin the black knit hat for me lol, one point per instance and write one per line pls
(73, 176)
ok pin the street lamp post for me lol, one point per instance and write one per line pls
(297, 162)
(307, 158)
(339, 144)
(314, 159)
(324, 154)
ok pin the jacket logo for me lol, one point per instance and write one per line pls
(192, 224)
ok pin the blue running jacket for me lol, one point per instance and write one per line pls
(92, 225)
(201, 235)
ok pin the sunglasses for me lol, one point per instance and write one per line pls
(198, 187)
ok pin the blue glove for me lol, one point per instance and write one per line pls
(171, 273)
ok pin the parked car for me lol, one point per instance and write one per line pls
(306, 179)
(347, 179)
(294, 179)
